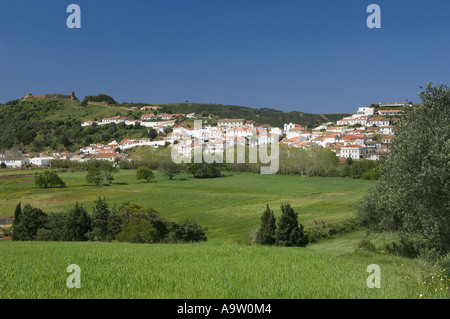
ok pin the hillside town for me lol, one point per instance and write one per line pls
(365, 135)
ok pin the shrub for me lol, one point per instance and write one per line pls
(204, 170)
(6, 231)
(366, 245)
(187, 231)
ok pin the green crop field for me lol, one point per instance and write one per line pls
(204, 270)
(224, 267)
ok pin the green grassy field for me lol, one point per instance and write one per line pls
(230, 207)
(223, 267)
(205, 270)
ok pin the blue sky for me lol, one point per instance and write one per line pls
(310, 56)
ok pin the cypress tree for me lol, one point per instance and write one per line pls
(78, 224)
(16, 223)
(266, 234)
(288, 232)
(100, 216)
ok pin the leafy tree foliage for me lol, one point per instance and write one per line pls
(109, 170)
(30, 125)
(187, 231)
(412, 196)
(171, 169)
(137, 230)
(48, 179)
(205, 170)
(29, 220)
(365, 169)
(145, 173)
(102, 98)
(94, 176)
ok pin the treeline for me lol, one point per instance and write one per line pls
(316, 161)
(130, 223)
(26, 126)
(102, 98)
(262, 115)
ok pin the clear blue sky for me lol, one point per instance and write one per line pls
(311, 56)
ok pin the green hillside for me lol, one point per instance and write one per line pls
(34, 125)
(261, 115)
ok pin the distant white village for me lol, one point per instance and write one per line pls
(365, 135)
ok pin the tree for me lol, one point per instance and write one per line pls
(30, 219)
(412, 196)
(78, 224)
(138, 230)
(171, 169)
(16, 223)
(109, 170)
(143, 172)
(288, 232)
(114, 225)
(137, 224)
(56, 224)
(100, 216)
(204, 170)
(48, 179)
(266, 234)
(94, 176)
(3, 165)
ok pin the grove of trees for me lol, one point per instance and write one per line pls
(130, 223)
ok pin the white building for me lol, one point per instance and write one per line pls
(15, 162)
(115, 119)
(353, 151)
(369, 111)
(378, 121)
(41, 161)
(231, 123)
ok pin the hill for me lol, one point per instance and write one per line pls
(261, 115)
(35, 125)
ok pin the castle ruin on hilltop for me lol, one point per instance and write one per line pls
(72, 96)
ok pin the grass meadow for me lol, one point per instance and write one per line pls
(224, 267)
(230, 206)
